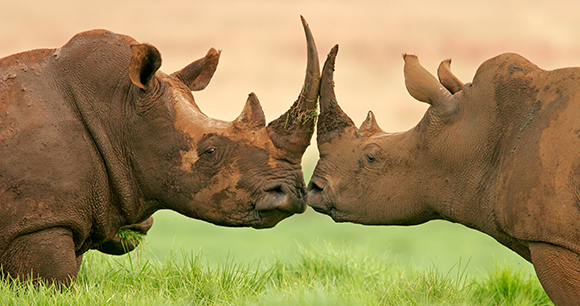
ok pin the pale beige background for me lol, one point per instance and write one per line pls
(264, 50)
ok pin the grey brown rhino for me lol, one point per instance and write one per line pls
(94, 138)
(500, 155)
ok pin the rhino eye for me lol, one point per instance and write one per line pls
(370, 158)
(210, 151)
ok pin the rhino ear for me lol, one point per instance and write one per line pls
(448, 79)
(370, 125)
(145, 61)
(424, 87)
(198, 74)
(252, 116)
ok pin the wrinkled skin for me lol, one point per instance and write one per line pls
(500, 155)
(95, 139)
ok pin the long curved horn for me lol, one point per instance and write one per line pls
(333, 121)
(293, 130)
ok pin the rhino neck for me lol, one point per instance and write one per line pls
(98, 94)
(125, 195)
(456, 164)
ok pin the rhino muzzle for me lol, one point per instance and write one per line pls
(280, 197)
(316, 197)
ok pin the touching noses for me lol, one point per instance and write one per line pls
(314, 190)
(316, 197)
(280, 197)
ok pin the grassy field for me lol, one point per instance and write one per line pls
(318, 275)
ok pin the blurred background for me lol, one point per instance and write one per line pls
(263, 51)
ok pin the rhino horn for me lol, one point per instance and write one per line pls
(370, 126)
(333, 121)
(252, 116)
(448, 79)
(293, 130)
(424, 87)
(198, 74)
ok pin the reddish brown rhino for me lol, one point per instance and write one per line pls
(500, 155)
(93, 138)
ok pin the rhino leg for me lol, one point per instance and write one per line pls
(558, 270)
(120, 246)
(49, 254)
(79, 261)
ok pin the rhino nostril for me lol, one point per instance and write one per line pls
(276, 191)
(314, 188)
(280, 197)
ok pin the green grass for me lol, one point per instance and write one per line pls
(318, 275)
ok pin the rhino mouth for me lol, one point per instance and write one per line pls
(279, 202)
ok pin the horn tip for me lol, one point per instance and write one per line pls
(305, 26)
(213, 52)
(333, 51)
(252, 96)
(370, 118)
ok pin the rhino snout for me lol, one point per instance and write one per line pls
(280, 197)
(315, 197)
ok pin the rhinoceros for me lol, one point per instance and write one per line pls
(500, 155)
(94, 138)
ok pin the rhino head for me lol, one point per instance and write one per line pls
(232, 173)
(365, 175)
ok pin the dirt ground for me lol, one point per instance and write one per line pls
(264, 49)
